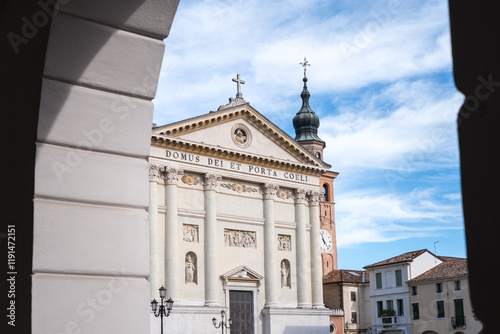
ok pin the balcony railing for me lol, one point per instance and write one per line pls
(458, 321)
(389, 320)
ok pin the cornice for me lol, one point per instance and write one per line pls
(187, 146)
(253, 117)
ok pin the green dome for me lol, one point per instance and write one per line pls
(306, 122)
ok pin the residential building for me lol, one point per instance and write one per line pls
(347, 293)
(440, 301)
(389, 292)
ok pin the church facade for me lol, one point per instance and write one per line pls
(241, 220)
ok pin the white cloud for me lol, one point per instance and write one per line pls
(211, 41)
(380, 217)
(416, 133)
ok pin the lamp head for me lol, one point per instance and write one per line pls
(162, 292)
(214, 321)
(222, 314)
(154, 305)
(170, 304)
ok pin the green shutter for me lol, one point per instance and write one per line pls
(440, 308)
(399, 278)
(459, 312)
(401, 311)
(416, 313)
(390, 305)
(378, 277)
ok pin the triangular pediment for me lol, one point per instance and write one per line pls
(242, 273)
(240, 129)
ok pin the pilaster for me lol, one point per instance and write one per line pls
(211, 275)
(316, 268)
(172, 233)
(270, 246)
(156, 276)
(303, 262)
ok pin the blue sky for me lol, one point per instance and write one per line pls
(381, 81)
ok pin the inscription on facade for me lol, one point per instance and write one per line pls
(236, 238)
(236, 166)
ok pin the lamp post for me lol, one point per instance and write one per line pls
(222, 323)
(164, 305)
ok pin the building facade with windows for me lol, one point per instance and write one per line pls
(440, 301)
(348, 291)
(390, 293)
(235, 222)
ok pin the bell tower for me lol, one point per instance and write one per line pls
(306, 122)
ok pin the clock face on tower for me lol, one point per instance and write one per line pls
(326, 241)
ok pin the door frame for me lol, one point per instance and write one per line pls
(255, 291)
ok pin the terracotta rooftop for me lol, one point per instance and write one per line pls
(406, 257)
(346, 276)
(453, 267)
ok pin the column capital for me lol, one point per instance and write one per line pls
(155, 172)
(314, 197)
(171, 175)
(269, 190)
(300, 196)
(211, 181)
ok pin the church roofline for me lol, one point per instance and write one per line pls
(252, 115)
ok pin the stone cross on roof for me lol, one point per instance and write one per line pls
(239, 97)
(304, 65)
(239, 82)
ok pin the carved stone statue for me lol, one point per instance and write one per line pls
(284, 242)
(190, 233)
(235, 238)
(285, 272)
(190, 270)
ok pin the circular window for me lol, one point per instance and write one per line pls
(333, 328)
(241, 135)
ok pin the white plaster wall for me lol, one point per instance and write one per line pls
(365, 307)
(190, 198)
(118, 246)
(296, 321)
(91, 234)
(422, 263)
(239, 206)
(285, 212)
(89, 304)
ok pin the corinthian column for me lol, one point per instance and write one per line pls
(302, 253)
(172, 234)
(270, 245)
(211, 275)
(156, 276)
(316, 270)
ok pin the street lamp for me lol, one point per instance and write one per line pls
(160, 312)
(222, 324)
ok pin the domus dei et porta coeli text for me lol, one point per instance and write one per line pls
(241, 220)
